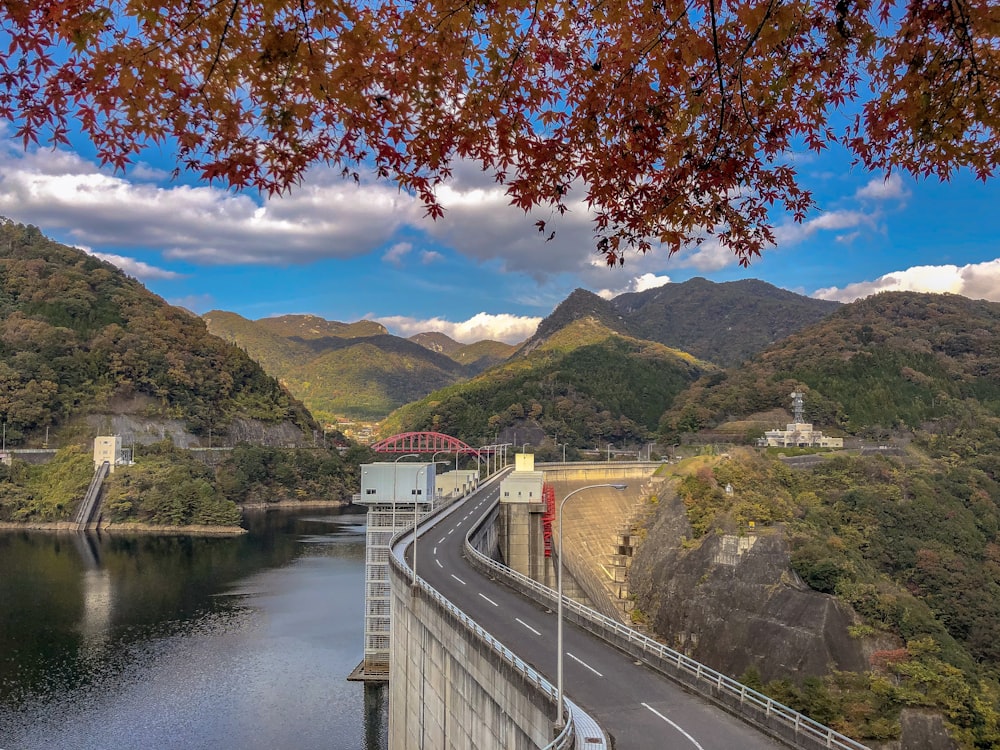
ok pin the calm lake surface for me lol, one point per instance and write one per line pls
(121, 642)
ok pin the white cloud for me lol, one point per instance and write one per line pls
(323, 218)
(481, 224)
(889, 188)
(137, 268)
(430, 256)
(975, 280)
(636, 284)
(396, 253)
(503, 327)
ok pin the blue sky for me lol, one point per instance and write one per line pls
(346, 252)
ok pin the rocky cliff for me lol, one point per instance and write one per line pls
(733, 602)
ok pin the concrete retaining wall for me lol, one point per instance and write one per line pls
(451, 689)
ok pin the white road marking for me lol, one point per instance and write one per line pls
(583, 663)
(674, 725)
(527, 626)
(439, 563)
(441, 540)
(489, 600)
(458, 579)
(452, 531)
(435, 550)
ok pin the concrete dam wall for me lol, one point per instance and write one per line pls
(451, 687)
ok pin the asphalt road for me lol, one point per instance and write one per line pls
(639, 707)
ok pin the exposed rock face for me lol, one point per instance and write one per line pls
(921, 730)
(734, 602)
(144, 430)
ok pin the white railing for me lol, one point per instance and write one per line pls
(576, 720)
(801, 724)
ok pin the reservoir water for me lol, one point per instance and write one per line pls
(135, 642)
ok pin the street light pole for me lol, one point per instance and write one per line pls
(416, 523)
(559, 605)
(395, 469)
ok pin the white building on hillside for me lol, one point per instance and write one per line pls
(798, 433)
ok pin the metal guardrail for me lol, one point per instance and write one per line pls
(798, 722)
(574, 714)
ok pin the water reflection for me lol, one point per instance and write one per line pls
(187, 642)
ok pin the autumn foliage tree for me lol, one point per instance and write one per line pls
(670, 120)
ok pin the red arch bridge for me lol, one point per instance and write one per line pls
(437, 442)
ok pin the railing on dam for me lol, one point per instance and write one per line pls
(772, 717)
(580, 730)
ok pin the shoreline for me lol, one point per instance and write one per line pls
(148, 528)
(292, 504)
(67, 527)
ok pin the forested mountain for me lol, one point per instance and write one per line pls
(911, 542)
(79, 337)
(582, 382)
(314, 327)
(476, 357)
(724, 323)
(721, 323)
(437, 342)
(894, 360)
(350, 369)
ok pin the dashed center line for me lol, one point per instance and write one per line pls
(458, 579)
(674, 725)
(583, 663)
(518, 619)
(435, 550)
(441, 540)
(439, 563)
(489, 600)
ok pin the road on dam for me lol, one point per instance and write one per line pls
(638, 706)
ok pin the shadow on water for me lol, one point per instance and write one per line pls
(211, 642)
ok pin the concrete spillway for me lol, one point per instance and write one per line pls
(91, 501)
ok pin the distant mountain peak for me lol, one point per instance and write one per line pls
(437, 342)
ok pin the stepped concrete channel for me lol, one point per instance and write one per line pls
(454, 685)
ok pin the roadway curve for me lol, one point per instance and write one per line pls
(639, 707)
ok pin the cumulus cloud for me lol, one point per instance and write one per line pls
(975, 280)
(888, 188)
(481, 224)
(511, 329)
(636, 284)
(396, 253)
(137, 268)
(430, 256)
(324, 218)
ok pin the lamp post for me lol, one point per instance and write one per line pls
(564, 451)
(395, 469)
(559, 605)
(416, 522)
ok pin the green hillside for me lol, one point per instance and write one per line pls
(369, 377)
(911, 542)
(78, 337)
(896, 360)
(342, 369)
(308, 327)
(911, 545)
(476, 357)
(582, 383)
(273, 351)
(725, 323)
